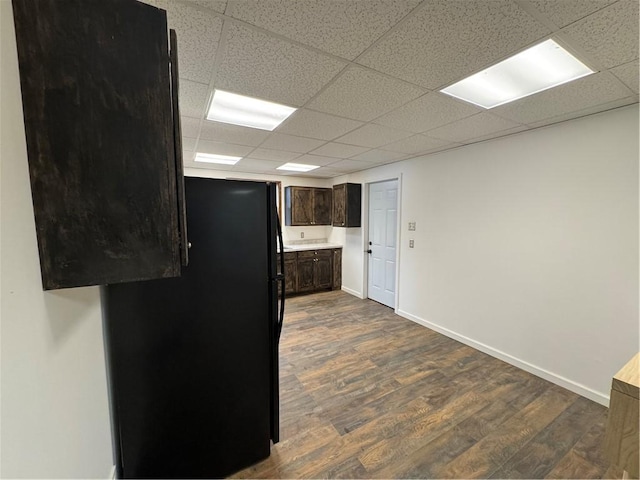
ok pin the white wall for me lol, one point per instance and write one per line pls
(289, 234)
(54, 406)
(526, 247)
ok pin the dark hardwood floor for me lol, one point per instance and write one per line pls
(368, 394)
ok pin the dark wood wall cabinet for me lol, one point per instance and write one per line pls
(101, 123)
(307, 206)
(312, 270)
(346, 205)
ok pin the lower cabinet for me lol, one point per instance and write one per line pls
(312, 270)
(315, 270)
(290, 272)
(337, 269)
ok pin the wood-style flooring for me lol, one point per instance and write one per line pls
(368, 394)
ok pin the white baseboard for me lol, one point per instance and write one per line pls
(112, 473)
(575, 387)
(352, 292)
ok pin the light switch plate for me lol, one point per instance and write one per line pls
(412, 226)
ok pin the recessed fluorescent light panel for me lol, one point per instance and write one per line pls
(297, 167)
(246, 111)
(222, 159)
(538, 68)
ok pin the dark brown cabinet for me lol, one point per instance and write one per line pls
(337, 269)
(100, 127)
(346, 205)
(312, 270)
(290, 272)
(307, 206)
(315, 270)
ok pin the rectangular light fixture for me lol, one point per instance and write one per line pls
(212, 158)
(297, 167)
(538, 68)
(236, 109)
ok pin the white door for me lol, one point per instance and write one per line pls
(383, 217)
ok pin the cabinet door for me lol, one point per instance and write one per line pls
(322, 206)
(96, 97)
(301, 206)
(339, 205)
(306, 264)
(290, 272)
(323, 272)
(337, 269)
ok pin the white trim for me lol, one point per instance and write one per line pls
(575, 387)
(355, 293)
(112, 473)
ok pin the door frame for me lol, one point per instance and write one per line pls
(365, 238)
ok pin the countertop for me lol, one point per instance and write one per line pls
(627, 380)
(310, 246)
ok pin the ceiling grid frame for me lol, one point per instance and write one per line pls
(620, 87)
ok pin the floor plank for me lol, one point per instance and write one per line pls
(367, 394)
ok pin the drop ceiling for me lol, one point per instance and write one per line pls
(365, 75)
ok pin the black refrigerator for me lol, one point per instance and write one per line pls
(193, 361)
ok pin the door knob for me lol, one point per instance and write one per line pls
(369, 251)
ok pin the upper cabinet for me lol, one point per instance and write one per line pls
(100, 128)
(347, 205)
(307, 206)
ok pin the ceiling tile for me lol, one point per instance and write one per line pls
(156, 3)
(629, 74)
(198, 33)
(253, 165)
(307, 123)
(193, 98)
(496, 134)
(216, 5)
(348, 166)
(262, 66)
(416, 144)
(582, 93)
(188, 143)
(373, 136)
(289, 143)
(322, 172)
(187, 156)
(447, 40)
(586, 111)
(564, 12)
(275, 155)
(224, 132)
(207, 146)
(190, 126)
(315, 160)
(343, 28)
(339, 150)
(379, 156)
(362, 94)
(609, 35)
(429, 111)
(469, 128)
(208, 166)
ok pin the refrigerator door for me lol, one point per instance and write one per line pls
(191, 359)
(277, 308)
